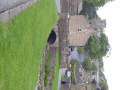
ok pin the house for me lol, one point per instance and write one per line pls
(75, 7)
(97, 24)
(79, 30)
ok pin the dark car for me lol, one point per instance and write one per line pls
(63, 82)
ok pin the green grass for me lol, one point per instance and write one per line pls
(73, 68)
(22, 40)
(63, 78)
(56, 72)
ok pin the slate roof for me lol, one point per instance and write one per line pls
(79, 30)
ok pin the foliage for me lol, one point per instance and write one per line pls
(81, 50)
(21, 48)
(87, 64)
(94, 68)
(72, 47)
(104, 44)
(47, 67)
(103, 85)
(74, 64)
(92, 86)
(56, 72)
(95, 49)
(90, 7)
(63, 78)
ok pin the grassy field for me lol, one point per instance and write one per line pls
(56, 73)
(22, 40)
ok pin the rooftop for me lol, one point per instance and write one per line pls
(79, 30)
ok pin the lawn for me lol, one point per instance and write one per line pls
(56, 72)
(22, 40)
(73, 68)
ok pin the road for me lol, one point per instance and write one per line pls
(7, 4)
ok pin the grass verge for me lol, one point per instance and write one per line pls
(74, 64)
(56, 72)
(47, 67)
(22, 40)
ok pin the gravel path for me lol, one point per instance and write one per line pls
(8, 4)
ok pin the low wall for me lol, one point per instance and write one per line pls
(6, 15)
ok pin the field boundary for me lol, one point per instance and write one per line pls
(14, 11)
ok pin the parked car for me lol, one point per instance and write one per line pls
(63, 82)
(68, 73)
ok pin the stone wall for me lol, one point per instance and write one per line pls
(6, 15)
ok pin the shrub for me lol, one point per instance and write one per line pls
(87, 64)
(103, 85)
(47, 67)
(81, 50)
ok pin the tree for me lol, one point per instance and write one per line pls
(90, 7)
(87, 64)
(97, 48)
(93, 47)
(104, 44)
(94, 68)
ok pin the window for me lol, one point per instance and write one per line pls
(79, 29)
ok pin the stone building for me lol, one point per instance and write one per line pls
(75, 7)
(97, 24)
(79, 30)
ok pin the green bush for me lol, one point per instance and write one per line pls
(45, 81)
(94, 68)
(81, 50)
(97, 48)
(103, 84)
(47, 67)
(73, 76)
(87, 64)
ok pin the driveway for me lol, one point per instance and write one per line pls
(61, 72)
(74, 55)
(7, 4)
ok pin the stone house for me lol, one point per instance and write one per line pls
(79, 30)
(97, 24)
(75, 7)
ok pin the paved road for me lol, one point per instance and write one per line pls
(7, 4)
(58, 5)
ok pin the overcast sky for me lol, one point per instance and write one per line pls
(111, 12)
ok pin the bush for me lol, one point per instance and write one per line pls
(87, 64)
(95, 49)
(94, 68)
(81, 50)
(103, 85)
(47, 67)
(45, 81)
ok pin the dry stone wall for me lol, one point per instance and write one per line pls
(6, 15)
